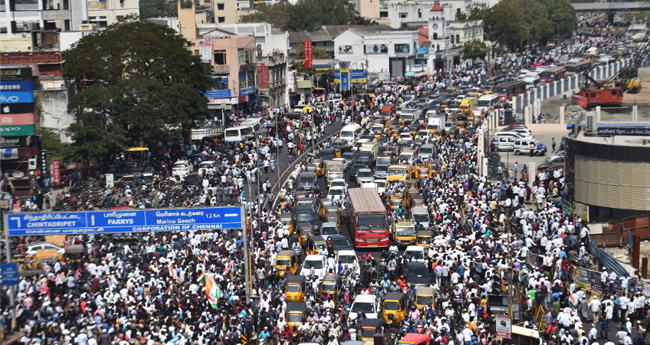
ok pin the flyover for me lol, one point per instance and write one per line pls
(607, 7)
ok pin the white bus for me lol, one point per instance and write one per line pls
(487, 101)
(351, 133)
(244, 132)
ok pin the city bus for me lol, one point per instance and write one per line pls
(577, 68)
(243, 132)
(552, 74)
(509, 89)
(367, 217)
(487, 101)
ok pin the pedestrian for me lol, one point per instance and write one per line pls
(553, 144)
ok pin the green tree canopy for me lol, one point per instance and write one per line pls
(158, 8)
(306, 15)
(137, 83)
(474, 49)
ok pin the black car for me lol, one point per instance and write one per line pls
(307, 182)
(192, 180)
(416, 273)
(342, 145)
(355, 168)
(339, 242)
(305, 214)
(365, 157)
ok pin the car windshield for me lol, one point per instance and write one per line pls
(391, 305)
(329, 230)
(180, 166)
(306, 180)
(293, 288)
(363, 307)
(294, 317)
(346, 259)
(365, 173)
(426, 150)
(368, 332)
(397, 171)
(336, 191)
(329, 286)
(334, 175)
(382, 168)
(340, 242)
(421, 218)
(316, 263)
(416, 254)
(405, 231)
(372, 221)
(418, 272)
(306, 217)
(423, 300)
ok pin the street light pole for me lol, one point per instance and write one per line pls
(558, 32)
(527, 36)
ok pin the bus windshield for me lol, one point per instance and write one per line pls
(371, 221)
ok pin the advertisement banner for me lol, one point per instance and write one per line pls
(422, 51)
(17, 86)
(56, 173)
(16, 119)
(308, 52)
(8, 154)
(45, 172)
(345, 49)
(376, 49)
(504, 327)
(581, 278)
(205, 51)
(13, 142)
(8, 97)
(12, 131)
(401, 48)
(58, 240)
(646, 289)
(628, 131)
(303, 84)
(358, 76)
(221, 90)
(110, 181)
(17, 108)
(10, 274)
(16, 74)
(263, 74)
(594, 280)
(247, 91)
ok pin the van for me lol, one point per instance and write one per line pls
(351, 133)
(486, 102)
(522, 147)
(467, 105)
(505, 141)
(426, 151)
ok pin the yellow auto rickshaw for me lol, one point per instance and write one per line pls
(424, 296)
(333, 215)
(331, 284)
(304, 230)
(315, 244)
(75, 253)
(372, 327)
(296, 313)
(295, 288)
(396, 201)
(395, 307)
(286, 262)
(324, 204)
(413, 184)
(424, 238)
(286, 220)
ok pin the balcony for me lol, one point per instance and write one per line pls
(222, 69)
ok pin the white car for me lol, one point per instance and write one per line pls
(319, 262)
(336, 193)
(34, 247)
(381, 186)
(416, 253)
(205, 165)
(182, 168)
(339, 182)
(405, 138)
(329, 228)
(365, 176)
(367, 304)
(348, 258)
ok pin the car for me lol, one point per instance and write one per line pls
(347, 164)
(182, 168)
(417, 274)
(364, 175)
(551, 161)
(381, 172)
(405, 138)
(319, 262)
(415, 253)
(348, 259)
(33, 248)
(328, 229)
(339, 182)
(513, 126)
(381, 186)
(304, 213)
(355, 168)
(205, 166)
(336, 193)
(307, 182)
(339, 242)
(349, 156)
(192, 180)
(367, 304)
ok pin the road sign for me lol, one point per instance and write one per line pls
(124, 221)
(10, 274)
(504, 327)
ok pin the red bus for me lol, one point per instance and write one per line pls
(367, 218)
(552, 74)
(509, 89)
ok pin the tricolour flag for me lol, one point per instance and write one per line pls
(201, 277)
(169, 288)
(212, 291)
(198, 255)
(227, 269)
(572, 300)
(172, 273)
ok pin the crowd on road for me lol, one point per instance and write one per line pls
(189, 287)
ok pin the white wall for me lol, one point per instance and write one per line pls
(343, 41)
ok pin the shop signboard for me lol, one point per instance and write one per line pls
(504, 327)
(17, 108)
(16, 74)
(581, 278)
(17, 130)
(16, 86)
(9, 97)
(16, 119)
(594, 280)
(308, 54)
(56, 173)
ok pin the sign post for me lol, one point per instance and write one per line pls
(10, 274)
(308, 54)
(504, 327)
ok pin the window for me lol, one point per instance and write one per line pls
(435, 35)
(221, 7)
(452, 38)
(457, 38)
(221, 19)
(383, 14)
(403, 14)
(119, 18)
(220, 57)
(419, 13)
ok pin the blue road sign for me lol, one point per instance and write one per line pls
(10, 274)
(124, 221)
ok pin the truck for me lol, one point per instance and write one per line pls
(200, 133)
(333, 170)
(367, 218)
(371, 146)
(436, 124)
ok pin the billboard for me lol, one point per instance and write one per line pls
(308, 56)
(125, 221)
(16, 97)
(357, 76)
(17, 130)
(16, 119)
(56, 173)
(504, 327)
(221, 90)
(16, 74)
(13, 142)
(345, 49)
(303, 84)
(376, 49)
(401, 48)
(205, 51)
(263, 74)
(17, 86)
(17, 108)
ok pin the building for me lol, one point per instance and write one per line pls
(324, 38)
(414, 13)
(225, 11)
(63, 15)
(607, 171)
(368, 8)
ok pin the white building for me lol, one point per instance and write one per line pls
(414, 13)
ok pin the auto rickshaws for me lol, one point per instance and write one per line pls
(320, 166)
(300, 195)
(75, 253)
(331, 284)
(315, 244)
(324, 204)
(305, 230)
(395, 307)
(424, 296)
(370, 327)
(296, 313)
(333, 215)
(412, 184)
(396, 201)
(295, 288)
(421, 171)
(416, 200)
(424, 238)
(415, 339)
(286, 262)
(286, 220)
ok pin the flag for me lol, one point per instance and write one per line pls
(572, 300)
(172, 273)
(198, 255)
(202, 277)
(169, 288)
(227, 269)
(212, 291)
(476, 213)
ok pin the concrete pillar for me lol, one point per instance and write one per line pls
(532, 173)
(527, 115)
(598, 114)
(538, 107)
(635, 113)
(562, 109)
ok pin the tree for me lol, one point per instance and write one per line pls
(158, 8)
(476, 11)
(137, 82)
(505, 19)
(474, 49)
(51, 142)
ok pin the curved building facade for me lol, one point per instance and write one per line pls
(608, 176)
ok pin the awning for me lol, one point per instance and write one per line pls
(409, 74)
(8, 154)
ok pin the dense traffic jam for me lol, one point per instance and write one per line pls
(385, 233)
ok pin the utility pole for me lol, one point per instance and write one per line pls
(247, 272)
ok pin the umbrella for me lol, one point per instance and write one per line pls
(409, 74)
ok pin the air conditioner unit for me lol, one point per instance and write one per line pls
(87, 27)
(591, 123)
